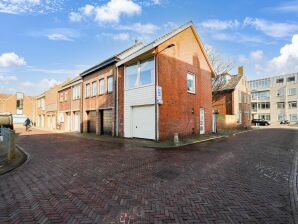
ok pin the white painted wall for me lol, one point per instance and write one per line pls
(136, 97)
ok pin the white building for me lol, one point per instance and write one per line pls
(275, 99)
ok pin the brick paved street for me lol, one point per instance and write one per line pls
(242, 179)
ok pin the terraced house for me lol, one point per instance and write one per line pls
(70, 106)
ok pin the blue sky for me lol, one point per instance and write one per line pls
(43, 42)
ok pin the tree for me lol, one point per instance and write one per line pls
(221, 67)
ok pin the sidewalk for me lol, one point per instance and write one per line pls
(183, 141)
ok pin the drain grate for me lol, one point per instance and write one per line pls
(167, 174)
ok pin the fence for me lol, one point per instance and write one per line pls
(7, 145)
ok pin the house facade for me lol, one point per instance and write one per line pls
(165, 88)
(231, 102)
(47, 108)
(70, 106)
(275, 99)
(20, 105)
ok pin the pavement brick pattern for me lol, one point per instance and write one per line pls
(242, 179)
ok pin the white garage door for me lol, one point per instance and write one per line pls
(143, 122)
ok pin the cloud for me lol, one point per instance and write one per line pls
(238, 37)
(285, 62)
(110, 12)
(121, 36)
(256, 55)
(140, 28)
(57, 34)
(287, 7)
(30, 6)
(243, 59)
(35, 88)
(216, 24)
(11, 59)
(7, 78)
(272, 29)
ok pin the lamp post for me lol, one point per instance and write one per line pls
(156, 84)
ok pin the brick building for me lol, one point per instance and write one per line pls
(70, 106)
(232, 102)
(99, 95)
(47, 108)
(165, 88)
(20, 105)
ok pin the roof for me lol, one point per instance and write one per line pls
(4, 96)
(164, 38)
(70, 82)
(231, 84)
(112, 60)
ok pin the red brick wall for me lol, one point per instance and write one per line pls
(223, 102)
(180, 111)
(65, 104)
(121, 101)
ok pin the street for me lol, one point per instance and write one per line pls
(241, 179)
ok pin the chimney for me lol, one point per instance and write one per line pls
(240, 70)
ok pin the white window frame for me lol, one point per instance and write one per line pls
(88, 90)
(293, 120)
(76, 92)
(102, 86)
(290, 103)
(61, 117)
(292, 91)
(94, 88)
(194, 82)
(112, 84)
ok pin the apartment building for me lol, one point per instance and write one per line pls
(18, 104)
(47, 108)
(231, 102)
(275, 99)
(165, 88)
(70, 106)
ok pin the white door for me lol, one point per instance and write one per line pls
(202, 121)
(77, 122)
(68, 122)
(39, 121)
(49, 122)
(214, 123)
(53, 122)
(42, 121)
(143, 122)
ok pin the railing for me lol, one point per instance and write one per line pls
(7, 145)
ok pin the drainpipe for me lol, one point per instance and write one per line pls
(117, 104)
(156, 104)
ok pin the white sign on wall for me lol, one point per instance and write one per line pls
(159, 94)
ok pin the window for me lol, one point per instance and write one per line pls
(146, 72)
(291, 79)
(239, 117)
(110, 84)
(140, 74)
(264, 117)
(65, 96)
(254, 106)
(101, 87)
(280, 92)
(88, 90)
(262, 95)
(292, 104)
(76, 92)
(43, 103)
(93, 88)
(191, 83)
(281, 117)
(239, 96)
(264, 105)
(280, 105)
(281, 80)
(61, 97)
(292, 91)
(61, 117)
(293, 117)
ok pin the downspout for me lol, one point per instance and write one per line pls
(71, 97)
(155, 94)
(115, 95)
(117, 104)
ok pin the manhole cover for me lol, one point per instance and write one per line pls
(167, 174)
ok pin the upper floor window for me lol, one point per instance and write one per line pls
(264, 105)
(94, 88)
(61, 97)
(76, 92)
(191, 83)
(280, 105)
(101, 86)
(65, 96)
(291, 79)
(88, 90)
(110, 84)
(139, 74)
(292, 91)
(292, 104)
(280, 92)
(281, 80)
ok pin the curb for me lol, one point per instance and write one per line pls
(19, 164)
(293, 189)
(242, 132)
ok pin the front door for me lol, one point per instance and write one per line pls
(68, 122)
(77, 122)
(202, 121)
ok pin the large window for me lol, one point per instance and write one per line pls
(280, 105)
(76, 92)
(101, 87)
(139, 74)
(94, 88)
(292, 104)
(281, 80)
(88, 90)
(264, 105)
(110, 84)
(191, 83)
(291, 79)
(262, 95)
(264, 116)
(293, 117)
(292, 91)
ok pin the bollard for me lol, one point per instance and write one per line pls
(176, 138)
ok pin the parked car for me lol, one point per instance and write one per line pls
(6, 120)
(285, 122)
(260, 122)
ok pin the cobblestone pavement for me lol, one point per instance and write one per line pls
(241, 179)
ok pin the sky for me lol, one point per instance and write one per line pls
(44, 42)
